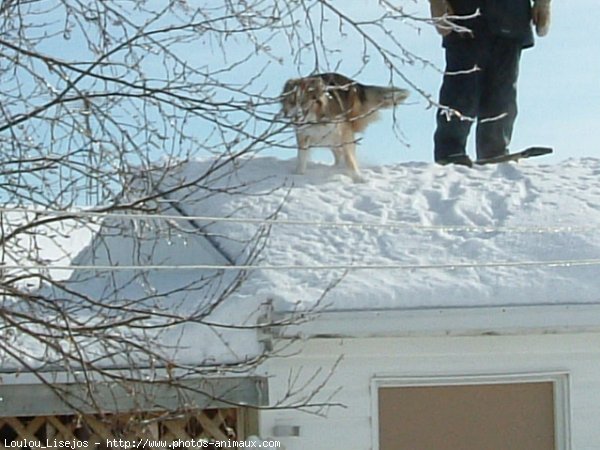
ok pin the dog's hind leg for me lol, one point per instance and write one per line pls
(351, 163)
(349, 151)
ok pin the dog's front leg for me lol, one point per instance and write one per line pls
(338, 156)
(302, 158)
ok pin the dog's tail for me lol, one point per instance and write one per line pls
(378, 97)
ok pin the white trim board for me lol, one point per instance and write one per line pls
(471, 321)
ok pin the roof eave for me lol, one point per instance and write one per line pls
(459, 321)
(33, 399)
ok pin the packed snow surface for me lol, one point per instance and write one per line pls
(440, 236)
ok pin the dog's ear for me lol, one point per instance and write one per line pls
(289, 89)
(289, 85)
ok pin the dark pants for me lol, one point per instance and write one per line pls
(488, 96)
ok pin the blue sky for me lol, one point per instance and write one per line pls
(559, 87)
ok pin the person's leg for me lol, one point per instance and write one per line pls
(498, 107)
(460, 93)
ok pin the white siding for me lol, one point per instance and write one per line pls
(350, 427)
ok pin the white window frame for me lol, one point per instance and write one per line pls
(560, 381)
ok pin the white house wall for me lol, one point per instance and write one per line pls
(352, 426)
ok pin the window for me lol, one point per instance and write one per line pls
(472, 413)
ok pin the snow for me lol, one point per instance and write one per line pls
(504, 213)
(404, 219)
(54, 244)
(189, 310)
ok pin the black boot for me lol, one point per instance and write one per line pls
(459, 159)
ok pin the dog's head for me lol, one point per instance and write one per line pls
(303, 97)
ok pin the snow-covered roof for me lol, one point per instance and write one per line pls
(414, 236)
(435, 236)
(55, 244)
